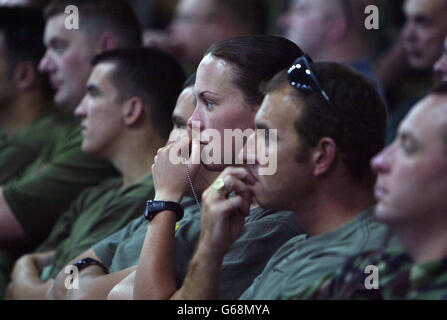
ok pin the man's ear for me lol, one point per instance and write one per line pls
(133, 110)
(25, 75)
(107, 41)
(323, 156)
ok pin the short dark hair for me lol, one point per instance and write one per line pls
(22, 29)
(190, 81)
(359, 132)
(154, 76)
(251, 14)
(102, 15)
(441, 88)
(256, 59)
(23, 33)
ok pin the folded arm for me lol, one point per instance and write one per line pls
(11, 231)
(26, 283)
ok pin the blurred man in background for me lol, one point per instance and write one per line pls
(407, 67)
(30, 205)
(330, 30)
(197, 24)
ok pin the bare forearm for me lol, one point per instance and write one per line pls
(31, 291)
(124, 289)
(155, 276)
(94, 285)
(26, 283)
(202, 279)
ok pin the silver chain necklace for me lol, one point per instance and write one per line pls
(192, 186)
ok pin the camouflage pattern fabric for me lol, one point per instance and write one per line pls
(399, 278)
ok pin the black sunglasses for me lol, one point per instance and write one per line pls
(302, 77)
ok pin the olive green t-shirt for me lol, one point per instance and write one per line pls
(264, 232)
(18, 151)
(302, 260)
(97, 213)
(122, 249)
(52, 182)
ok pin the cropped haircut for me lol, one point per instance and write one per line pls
(98, 16)
(255, 60)
(150, 74)
(359, 132)
(22, 29)
(190, 81)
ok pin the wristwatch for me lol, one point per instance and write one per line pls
(84, 263)
(154, 207)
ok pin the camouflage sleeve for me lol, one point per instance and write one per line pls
(348, 282)
(313, 291)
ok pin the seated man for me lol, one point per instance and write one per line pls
(331, 30)
(125, 119)
(27, 120)
(227, 98)
(213, 20)
(410, 191)
(421, 40)
(324, 144)
(30, 206)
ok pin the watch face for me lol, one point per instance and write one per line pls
(152, 208)
(157, 206)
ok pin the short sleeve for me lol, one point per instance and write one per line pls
(37, 200)
(105, 249)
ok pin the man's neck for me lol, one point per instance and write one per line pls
(135, 157)
(330, 210)
(424, 242)
(21, 113)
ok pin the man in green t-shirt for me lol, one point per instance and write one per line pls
(30, 206)
(27, 122)
(323, 144)
(29, 127)
(125, 119)
(410, 191)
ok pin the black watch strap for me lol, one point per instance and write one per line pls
(154, 207)
(84, 263)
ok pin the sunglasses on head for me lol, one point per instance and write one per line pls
(302, 77)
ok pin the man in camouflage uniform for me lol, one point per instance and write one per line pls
(410, 190)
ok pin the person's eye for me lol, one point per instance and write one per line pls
(59, 47)
(178, 125)
(407, 146)
(209, 104)
(92, 93)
